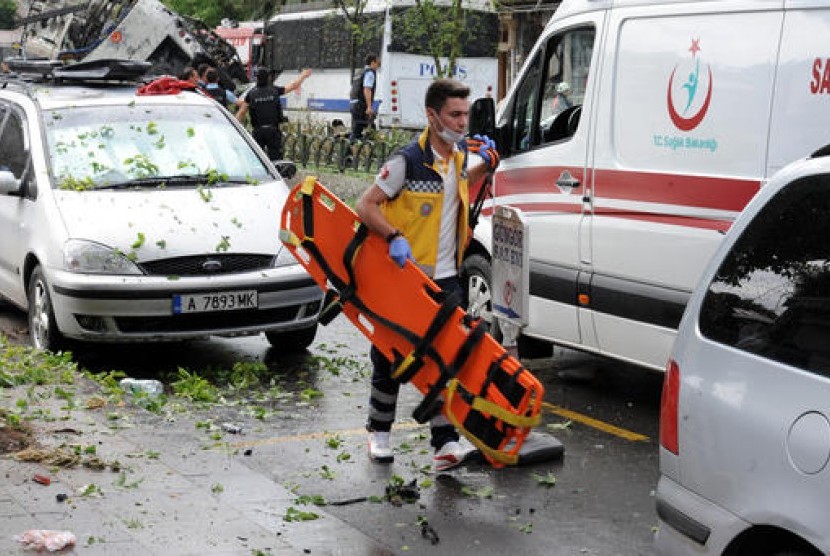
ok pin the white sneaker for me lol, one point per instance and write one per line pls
(453, 454)
(379, 449)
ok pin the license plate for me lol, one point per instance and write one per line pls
(217, 301)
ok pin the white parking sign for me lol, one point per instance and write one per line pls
(511, 273)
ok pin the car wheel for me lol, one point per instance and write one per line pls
(475, 278)
(43, 329)
(292, 340)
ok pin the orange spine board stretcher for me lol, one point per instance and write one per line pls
(432, 343)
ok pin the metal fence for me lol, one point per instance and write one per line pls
(320, 148)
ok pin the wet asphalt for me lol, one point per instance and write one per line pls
(305, 442)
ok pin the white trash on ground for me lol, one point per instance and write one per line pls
(45, 539)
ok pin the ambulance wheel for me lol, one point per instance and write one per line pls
(292, 340)
(475, 278)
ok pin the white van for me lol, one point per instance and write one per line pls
(744, 428)
(671, 117)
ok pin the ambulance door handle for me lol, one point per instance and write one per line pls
(567, 182)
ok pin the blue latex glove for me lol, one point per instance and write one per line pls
(485, 148)
(399, 250)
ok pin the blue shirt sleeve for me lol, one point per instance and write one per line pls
(369, 79)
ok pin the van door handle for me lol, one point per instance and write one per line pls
(567, 182)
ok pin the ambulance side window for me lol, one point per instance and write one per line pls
(566, 76)
(548, 103)
(523, 131)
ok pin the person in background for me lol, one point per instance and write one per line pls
(214, 90)
(263, 102)
(420, 204)
(190, 74)
(362, 97)
(560, 100)
(202, 69)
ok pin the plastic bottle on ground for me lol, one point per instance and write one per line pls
(148, 386)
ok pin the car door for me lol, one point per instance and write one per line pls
(680, 148)
(544, 132)
(16, 157)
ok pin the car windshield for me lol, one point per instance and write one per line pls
(111, 146)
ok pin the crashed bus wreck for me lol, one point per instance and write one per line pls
(139, 30)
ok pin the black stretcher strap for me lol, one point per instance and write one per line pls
(351, 287)
(308, 217)
(506, 383)
(431, 403)
(441, 318)
(349, 254)
(484, 428)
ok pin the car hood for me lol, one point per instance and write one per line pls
(153, 223)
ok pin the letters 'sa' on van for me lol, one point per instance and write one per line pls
(633, 136)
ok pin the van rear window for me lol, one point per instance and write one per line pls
(771, 295)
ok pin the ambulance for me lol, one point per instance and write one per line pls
(635, 133)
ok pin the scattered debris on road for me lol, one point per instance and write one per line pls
(45, 539)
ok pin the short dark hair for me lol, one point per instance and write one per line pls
(212, 75)
(187, 73)
(371, 58)
(441, 89)
(202, 68)
(263, 77)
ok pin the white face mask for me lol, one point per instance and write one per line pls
(446, 133)
(451, 136)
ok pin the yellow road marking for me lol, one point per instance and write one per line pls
(594, 423)
(551, 408)
(315, 435)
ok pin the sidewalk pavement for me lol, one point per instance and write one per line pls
(171, 494)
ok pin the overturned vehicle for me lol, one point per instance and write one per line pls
(139, 30)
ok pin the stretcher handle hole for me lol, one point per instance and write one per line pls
(366, 325)
(327, 202)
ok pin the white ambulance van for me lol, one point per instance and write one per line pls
(635, 133)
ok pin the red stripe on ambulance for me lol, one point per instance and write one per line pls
(709, 192)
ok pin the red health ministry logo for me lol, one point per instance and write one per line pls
(680, 119)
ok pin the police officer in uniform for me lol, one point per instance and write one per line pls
(263, 102)
(218, 93)
(362, 97)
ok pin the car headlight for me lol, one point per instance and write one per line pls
(88, 257)
(284, 258)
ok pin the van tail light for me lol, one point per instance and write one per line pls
(668, 408)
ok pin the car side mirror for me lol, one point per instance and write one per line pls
(9, 184)
(483, 117)
(286, 168)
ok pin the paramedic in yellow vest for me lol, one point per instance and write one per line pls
(420, 204)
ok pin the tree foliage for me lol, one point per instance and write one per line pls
(8, 9)
(213, 12)
(360, 33)
(436, 28)
(439, 28)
